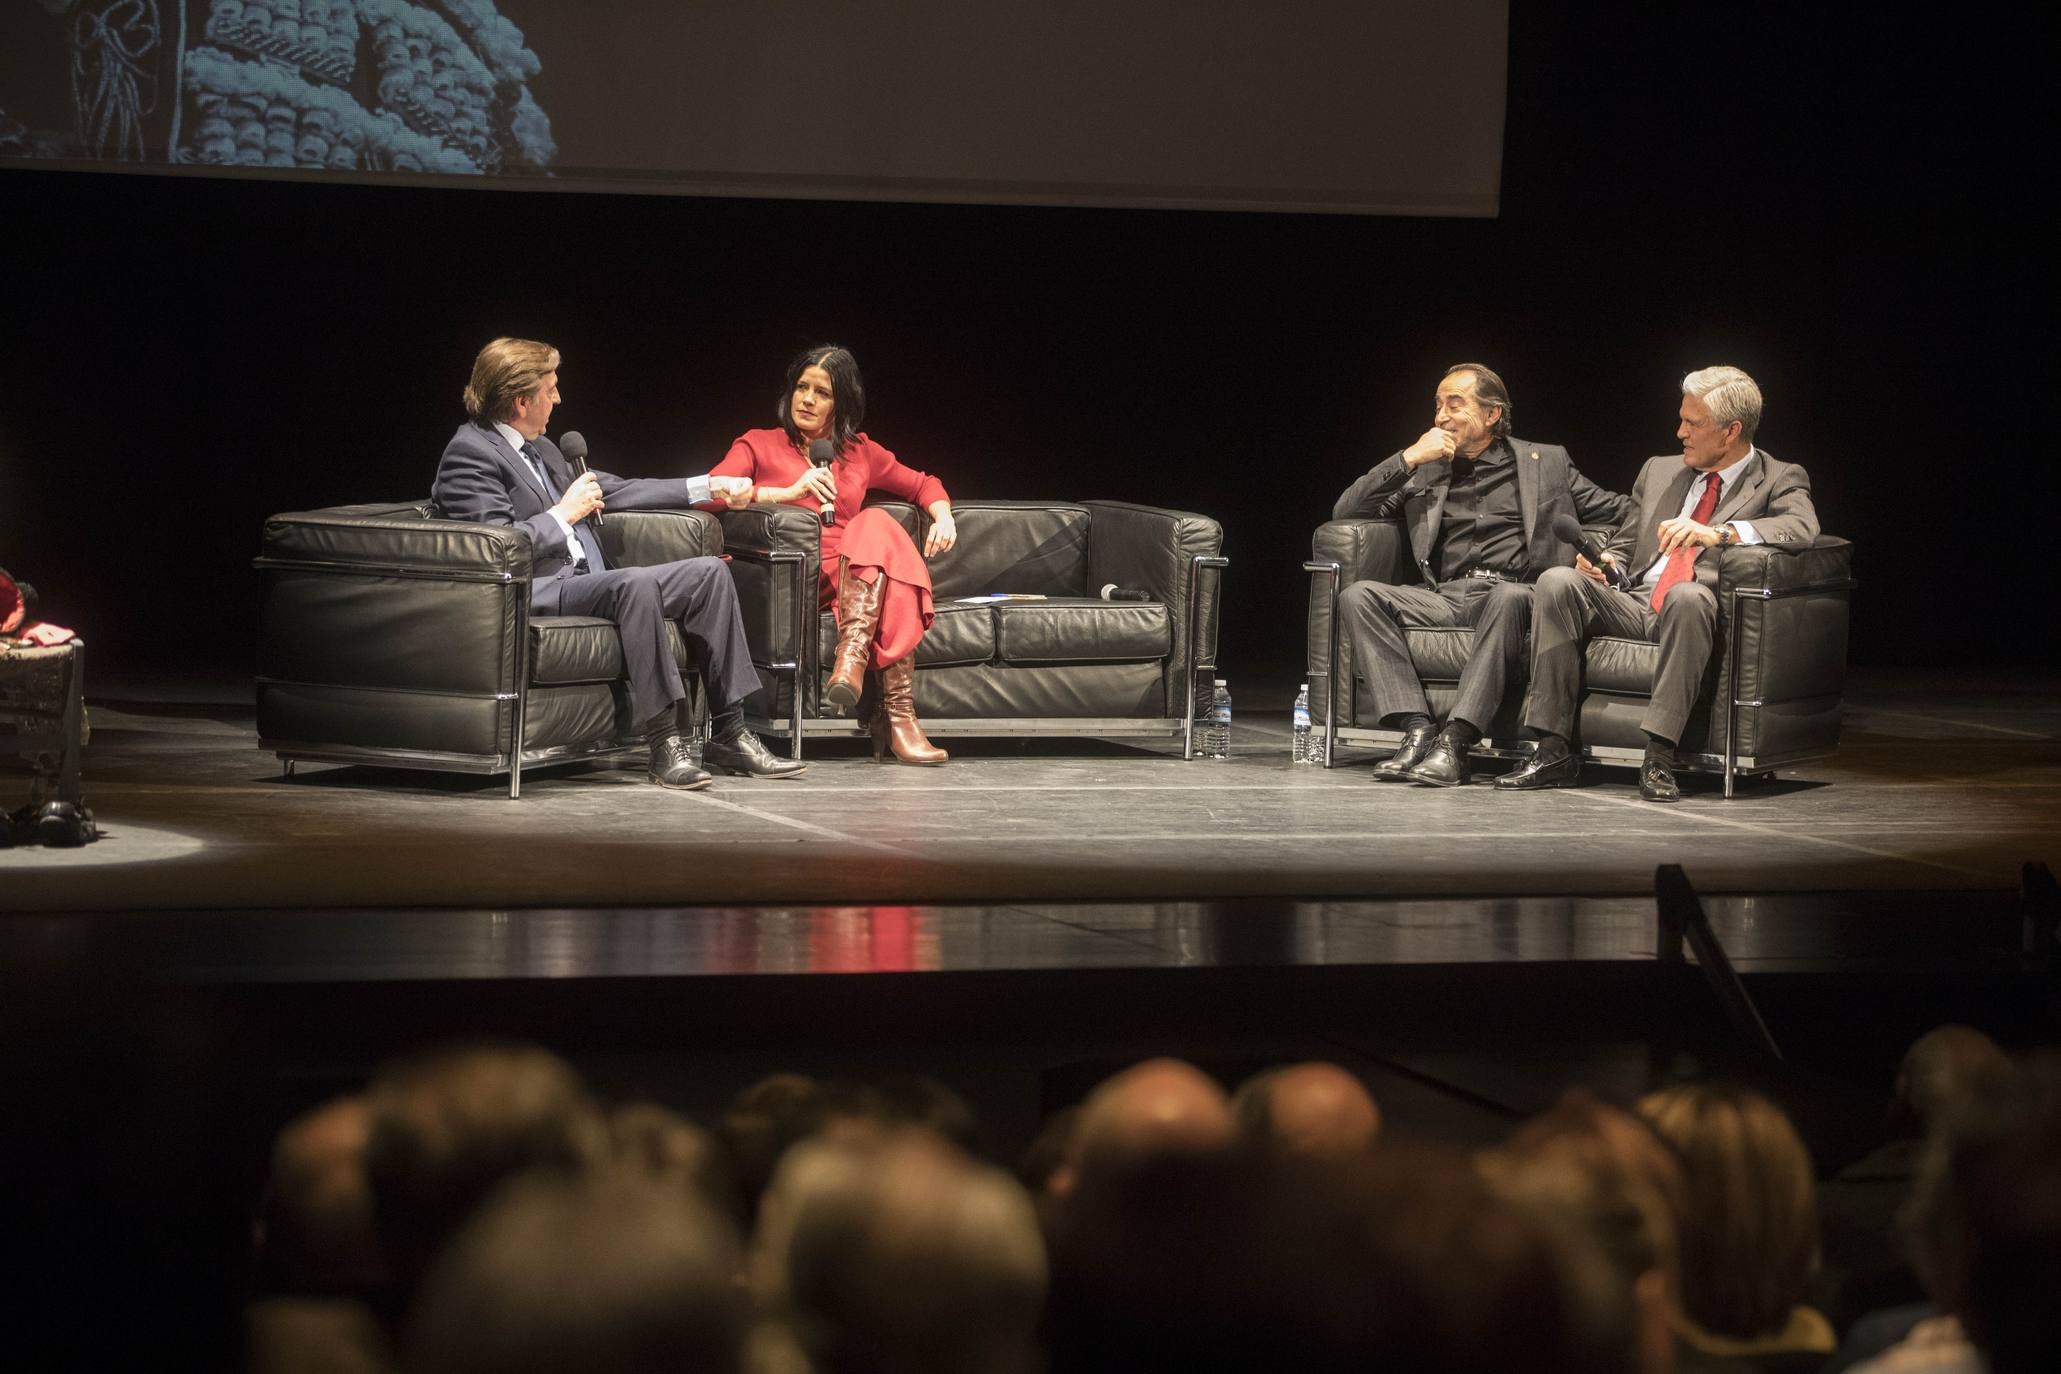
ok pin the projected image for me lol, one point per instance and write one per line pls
(340, 85)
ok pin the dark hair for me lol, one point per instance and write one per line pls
(847, 392)
(1488, 390)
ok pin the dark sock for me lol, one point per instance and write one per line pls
(725, 724)
(1405, 720)
(660, 725)
(1661, 749)
(1462, 733)
(1550, 743)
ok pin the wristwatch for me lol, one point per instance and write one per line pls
(1727, 535)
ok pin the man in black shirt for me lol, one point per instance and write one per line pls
(1478, 506)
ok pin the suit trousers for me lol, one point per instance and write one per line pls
(695, 593)
(1570, 610)
(1373, 616)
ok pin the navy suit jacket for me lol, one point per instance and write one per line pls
(482, 478)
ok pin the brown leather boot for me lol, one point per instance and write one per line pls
(894, 724)
(858, 615)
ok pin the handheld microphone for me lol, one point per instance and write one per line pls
(573, 445)
(821, 452)
(1568, 532)
(1112, 592)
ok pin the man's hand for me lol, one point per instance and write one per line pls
(1683, 533)
(1433, 446)
(943, 534)
(581, 499)
(734, 492)
(1589, 570)
(44, 633)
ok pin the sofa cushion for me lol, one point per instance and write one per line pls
(1439, 652)
(960, 634)
(1619, 665)
(1015, 546)
(584, 648)
(1081, 630)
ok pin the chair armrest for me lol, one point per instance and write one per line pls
(380, 600)
(1365, 551)
(1827, 564)
(344, 540)
(776, 552)
(1155, 550)
(647, 538)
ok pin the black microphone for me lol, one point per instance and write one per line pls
(574, 446)
(1568, 532)
(1112, 592)
(821, 452)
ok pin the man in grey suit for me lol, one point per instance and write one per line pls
(499, 469)
(1479, 508)
(1721, 491)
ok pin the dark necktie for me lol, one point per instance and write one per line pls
(1681, 563)
(536, 462)
(584, 537)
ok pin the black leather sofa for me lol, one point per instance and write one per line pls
(1771, 697)
(1068, 663)
(389, 637)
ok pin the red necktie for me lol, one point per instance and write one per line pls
(1681, 563)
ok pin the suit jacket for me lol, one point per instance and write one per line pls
(1774, 495)
(481, 478)
(1548, 483)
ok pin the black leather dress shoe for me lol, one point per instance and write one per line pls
(672, 764)
(1444, 766)
(743, 754)
(1657, 781)
(1416, 744)
(1550, 764)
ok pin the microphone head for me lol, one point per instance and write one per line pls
(574, 446)
(822, 452)
(1565, 528)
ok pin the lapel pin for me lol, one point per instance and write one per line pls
(1535, 455)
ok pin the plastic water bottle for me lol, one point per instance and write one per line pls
(1301, 751)
(1216, 731)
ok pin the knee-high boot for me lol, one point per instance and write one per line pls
(894, 724)
(858, 616)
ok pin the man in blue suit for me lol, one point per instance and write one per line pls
(499, 469)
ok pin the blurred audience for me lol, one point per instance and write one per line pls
(1865, 1271)
(476, 1210)
(1749, 1239)
(900, 1255)
(1314, 1109)
(450, 1125)
(611, 1273)
(1985, 1232)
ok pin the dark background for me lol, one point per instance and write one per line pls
(1843, 203)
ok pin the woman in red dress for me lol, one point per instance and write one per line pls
(872, 573)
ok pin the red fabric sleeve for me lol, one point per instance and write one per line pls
(884, 472)
(740, 461)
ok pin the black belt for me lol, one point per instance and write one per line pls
(1489, 575)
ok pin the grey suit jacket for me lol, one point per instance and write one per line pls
(481, 478)
(1548, 484)
(1774, 495)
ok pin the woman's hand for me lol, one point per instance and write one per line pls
(943, 532)
(816, 481)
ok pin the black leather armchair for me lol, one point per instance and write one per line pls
(388, 637)
(1069, 663)
(1771, 697)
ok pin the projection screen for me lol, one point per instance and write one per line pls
(1289, 105)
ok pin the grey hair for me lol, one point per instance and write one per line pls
(1730, 394)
